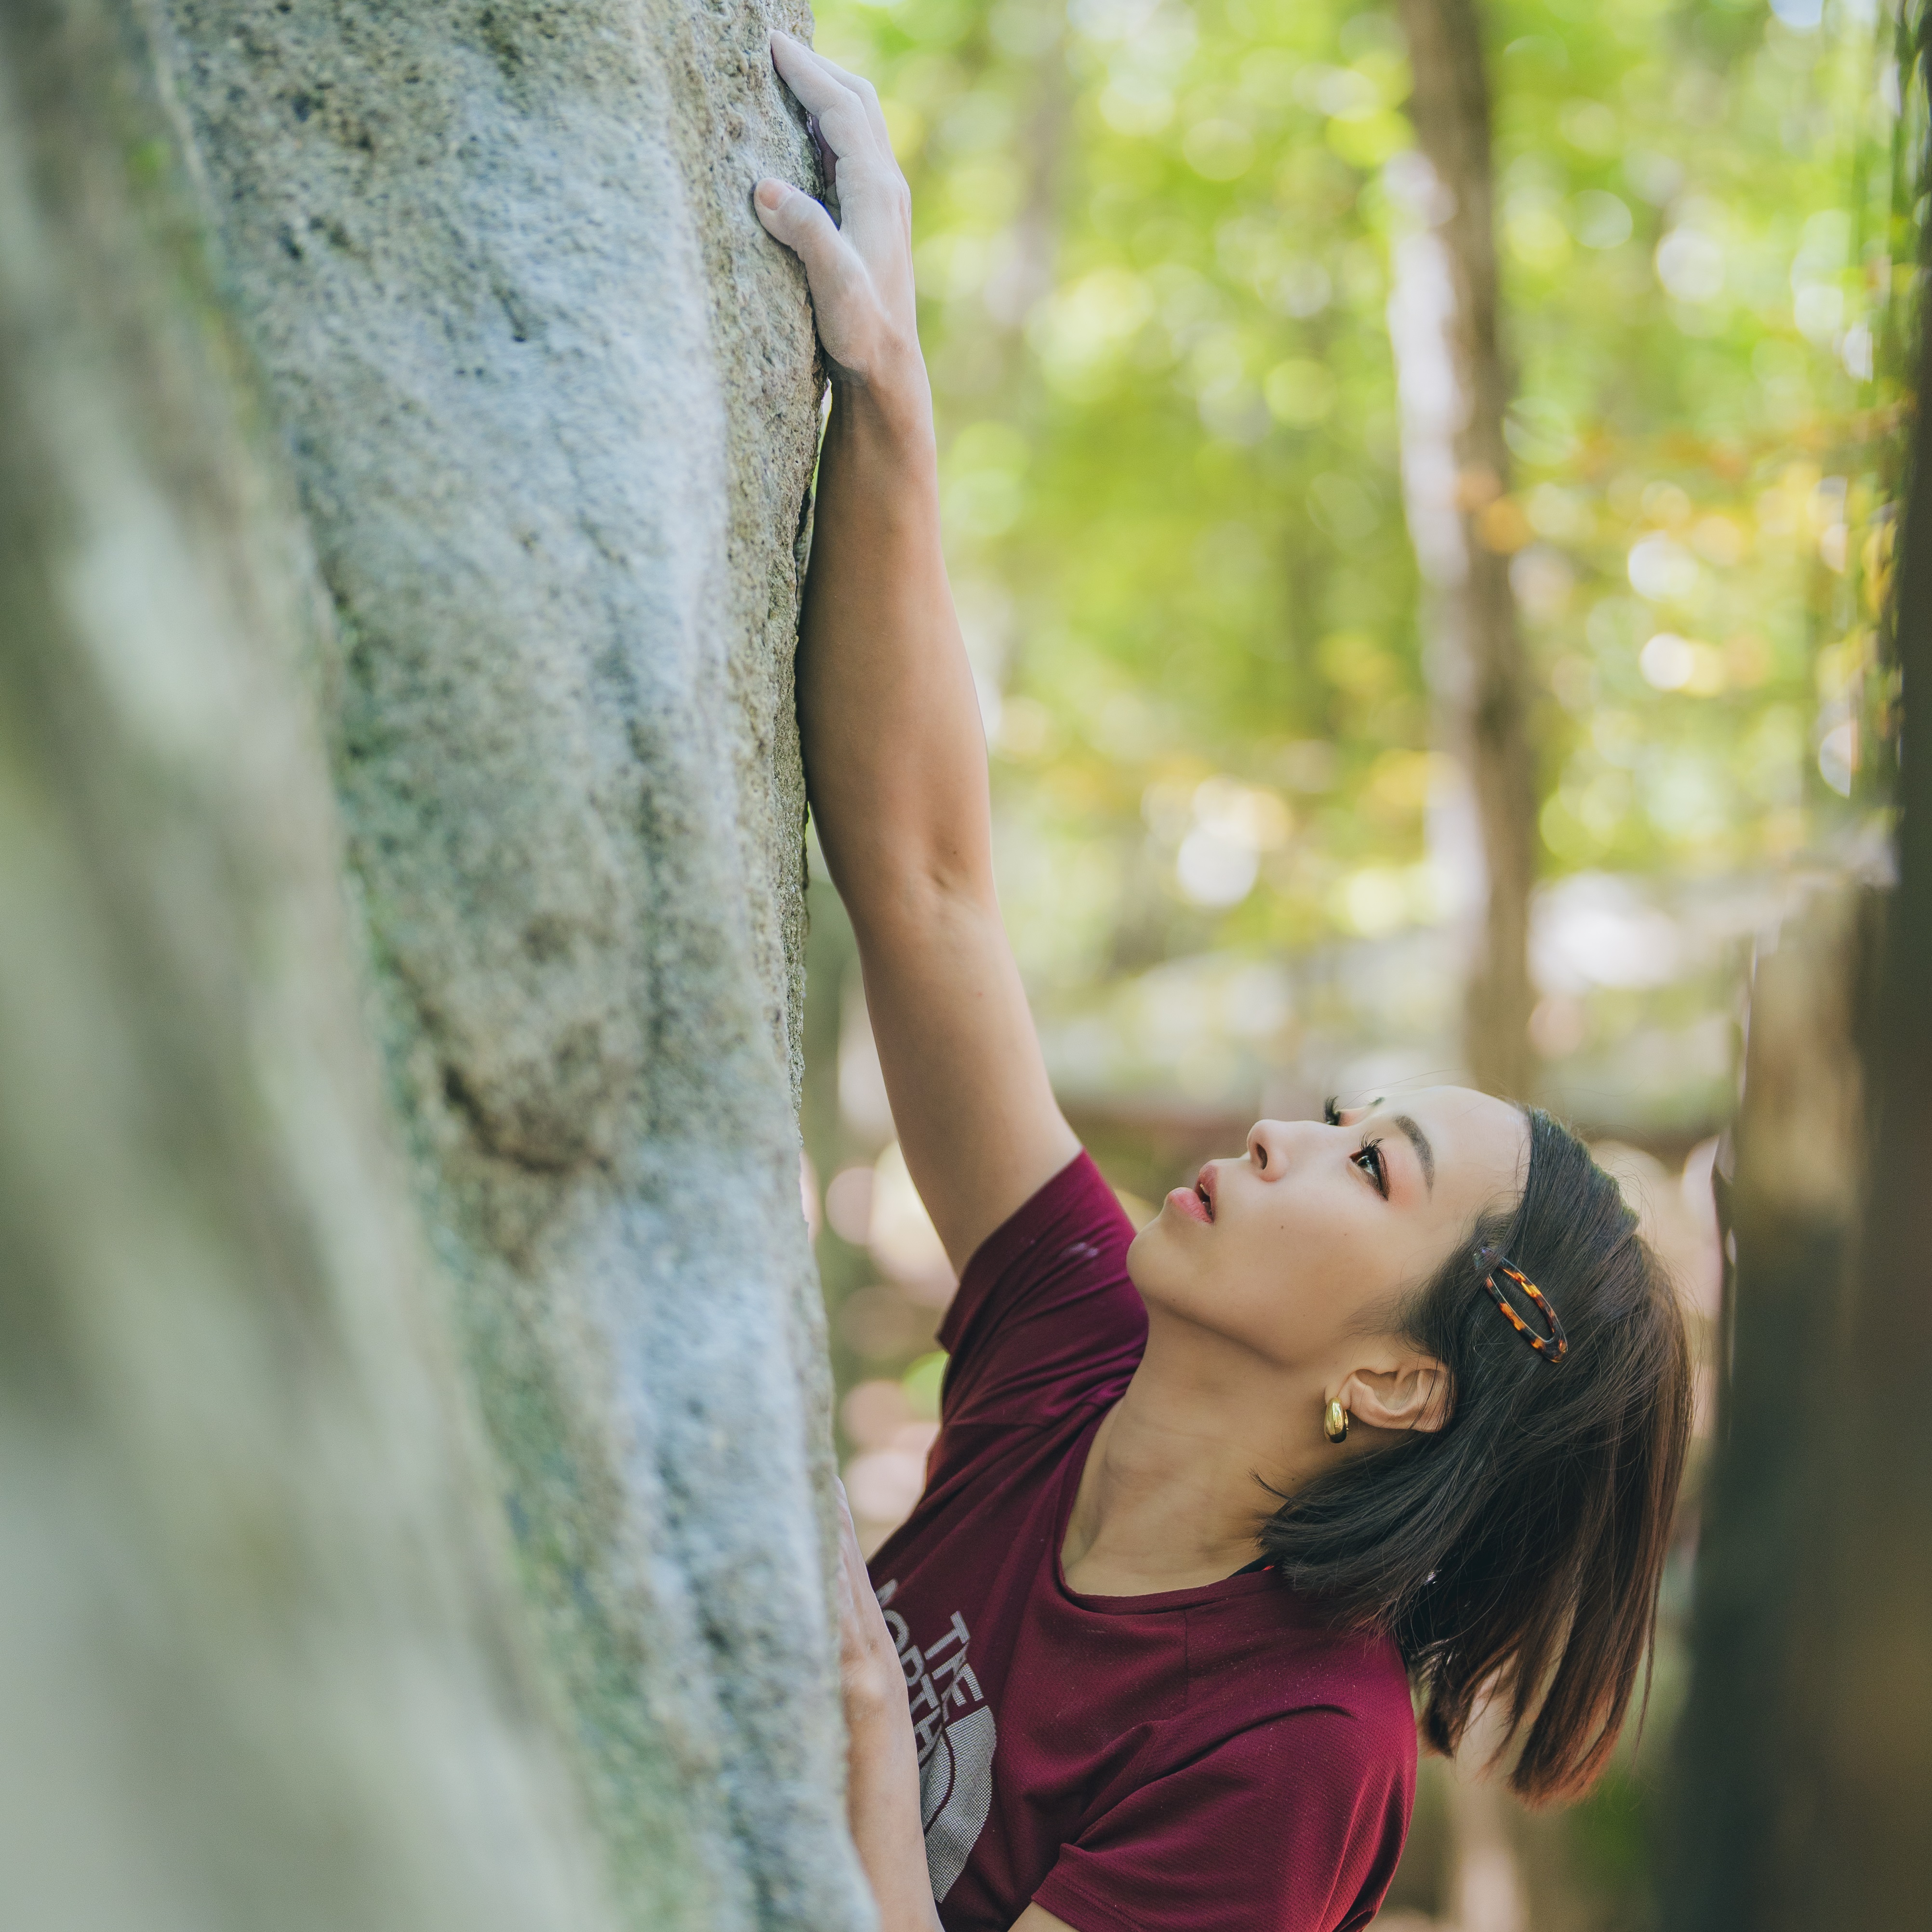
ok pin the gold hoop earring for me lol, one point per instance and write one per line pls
(1335, 1421)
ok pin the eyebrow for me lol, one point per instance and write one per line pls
(1424, 1153)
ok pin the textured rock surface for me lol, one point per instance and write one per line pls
(261, 1657)
(550, 399)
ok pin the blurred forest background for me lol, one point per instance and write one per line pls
(1177, 296)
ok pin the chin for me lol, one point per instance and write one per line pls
(1146, 1254)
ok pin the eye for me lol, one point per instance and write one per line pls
(1369, 1158)
(1331, 1114)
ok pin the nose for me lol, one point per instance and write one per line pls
(1272, 1144)
(1267, 1148)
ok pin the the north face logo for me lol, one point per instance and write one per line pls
(956, 1733)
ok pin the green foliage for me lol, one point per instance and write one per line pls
(1155, 246)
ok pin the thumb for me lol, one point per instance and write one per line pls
(797, 220)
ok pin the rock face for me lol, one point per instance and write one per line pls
(545, 397)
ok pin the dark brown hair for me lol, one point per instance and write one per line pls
(1516, 1554)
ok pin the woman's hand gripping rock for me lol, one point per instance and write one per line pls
(882, 1764)
(873, 1683)
(860, 270)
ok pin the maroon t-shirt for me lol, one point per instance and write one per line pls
(1203, 1760)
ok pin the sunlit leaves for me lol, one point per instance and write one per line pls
(1154, 242)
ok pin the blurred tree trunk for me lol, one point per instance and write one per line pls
(1455, 389)
(1874, 1645)
(1485, 1880)
(1023, 265)
(1748, 1765)
(338, 1588)
(1805, 1756)
(1003, 379)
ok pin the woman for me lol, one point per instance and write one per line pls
(1395, 1398)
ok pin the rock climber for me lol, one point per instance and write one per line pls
(1377, 1427)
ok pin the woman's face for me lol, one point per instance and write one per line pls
(1318, 1230)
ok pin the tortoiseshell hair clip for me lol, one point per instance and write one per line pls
(1552, 1347)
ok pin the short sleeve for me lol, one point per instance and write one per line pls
(1295, 1826)
(1045, 1317)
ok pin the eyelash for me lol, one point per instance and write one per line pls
(1377, 1169)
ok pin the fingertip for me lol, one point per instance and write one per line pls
(770, 194)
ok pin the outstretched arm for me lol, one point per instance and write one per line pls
(895, 762)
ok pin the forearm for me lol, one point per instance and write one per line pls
(882, 1807)
(895, 757)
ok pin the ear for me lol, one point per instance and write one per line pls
(1413, 1395)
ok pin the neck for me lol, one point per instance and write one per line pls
(1169, 1498)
